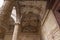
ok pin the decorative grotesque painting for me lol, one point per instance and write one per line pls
(32, 13)
(30, 22)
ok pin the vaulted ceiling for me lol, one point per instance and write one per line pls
(31, 7)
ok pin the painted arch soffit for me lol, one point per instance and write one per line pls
(32, 13)
(37, 7)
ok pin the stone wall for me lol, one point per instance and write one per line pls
(50, 29)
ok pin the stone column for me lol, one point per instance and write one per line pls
(16, 29)
(15, 33)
